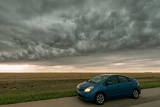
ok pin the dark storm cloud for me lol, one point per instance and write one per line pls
(40, 29)
(49, 5)
(32, 8)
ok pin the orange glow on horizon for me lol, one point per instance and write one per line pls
(14, 68)
(19, 68)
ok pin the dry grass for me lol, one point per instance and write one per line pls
(65, 76)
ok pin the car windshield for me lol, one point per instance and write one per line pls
(98, 79)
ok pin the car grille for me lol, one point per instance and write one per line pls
(80, 89)
(80, 95)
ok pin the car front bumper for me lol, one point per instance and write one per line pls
(88, 96)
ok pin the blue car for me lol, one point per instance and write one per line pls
(108, 86)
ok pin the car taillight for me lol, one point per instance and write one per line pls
(137, 83)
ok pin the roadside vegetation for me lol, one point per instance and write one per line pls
(16, 88)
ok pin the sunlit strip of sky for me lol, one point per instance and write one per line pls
(69, 69)
(119, 61)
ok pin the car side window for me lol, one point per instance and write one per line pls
(130, 79)
(122, 79)
(113, 80)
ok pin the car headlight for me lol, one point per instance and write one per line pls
(89, 89)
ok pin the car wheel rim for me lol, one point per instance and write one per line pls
(135, 93)
(100, 98)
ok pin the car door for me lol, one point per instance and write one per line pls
(125, 86)
(112, 88)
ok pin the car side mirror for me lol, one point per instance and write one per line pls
(108, 83)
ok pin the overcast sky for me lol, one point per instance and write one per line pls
(44, 29)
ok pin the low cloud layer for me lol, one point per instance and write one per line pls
(43, 29)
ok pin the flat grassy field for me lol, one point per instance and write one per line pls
(22, 87)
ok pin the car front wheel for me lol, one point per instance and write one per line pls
(135, 94)
(100, 98)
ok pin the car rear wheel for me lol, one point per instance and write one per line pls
(135, 94)
(100, 98)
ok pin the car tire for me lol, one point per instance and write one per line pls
(100, 98)
(135, 94)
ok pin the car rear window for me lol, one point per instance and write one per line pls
(130, 79)
(123, 79)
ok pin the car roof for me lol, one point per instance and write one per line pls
(114, 75)
(109, 74)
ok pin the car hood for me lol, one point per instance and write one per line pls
(85, 85)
